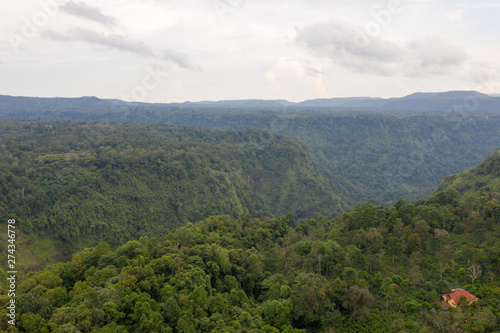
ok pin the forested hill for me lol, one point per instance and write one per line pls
(478, 181)
(81, 183)
(373, 269)
(388, 156)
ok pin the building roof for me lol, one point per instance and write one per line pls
(455, 295)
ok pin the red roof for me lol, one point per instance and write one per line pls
(455, 295)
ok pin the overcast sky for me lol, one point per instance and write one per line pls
(179, 50)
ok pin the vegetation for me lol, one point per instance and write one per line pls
(372, 269)
(476, 182)
(75, 184)
(387, 155)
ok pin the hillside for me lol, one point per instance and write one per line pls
(373, 269)
(386, 155)
(75, 184)
(481, 180)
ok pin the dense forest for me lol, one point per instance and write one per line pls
(75, 184)
(387, 155)
(371, 269)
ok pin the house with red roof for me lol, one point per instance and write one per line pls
(452, 299)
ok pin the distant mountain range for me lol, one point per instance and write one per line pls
(458, 101)
(445, 101)
(424, 102)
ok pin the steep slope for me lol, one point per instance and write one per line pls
(373, 269)
(479, 181)
(80, 183)
(474, 194)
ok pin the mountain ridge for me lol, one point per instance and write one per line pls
(418, 101)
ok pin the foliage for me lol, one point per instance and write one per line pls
(371, 269)
(386, 155)
(76, 184)
(262, 275)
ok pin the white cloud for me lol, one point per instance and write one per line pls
(115, 41)
(351, 47)
(433, 56)
(121, 43)
(455, 16)
(343, 43)
(297, 76)
(92, 13)
(485, 77)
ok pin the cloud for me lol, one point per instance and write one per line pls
(342, 43)
(435, 56)
(114, 41)
(485, 76)
(454, 16)
(352, 47)
(290, 75)
(121, 43)
(83, 10)
(178, 57)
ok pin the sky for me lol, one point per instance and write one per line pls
(192, 50)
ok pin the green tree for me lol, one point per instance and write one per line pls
(412, 307)
(277, 312)
(387, 290)
(359, 301)
(33, 323)
(394, 247)
(171, 311)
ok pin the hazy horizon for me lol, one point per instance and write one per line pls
(262, 99)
